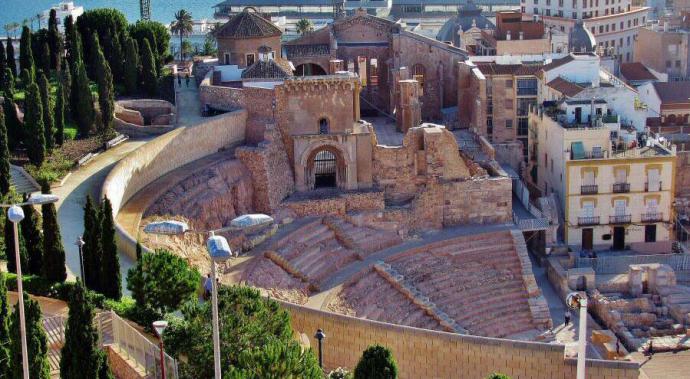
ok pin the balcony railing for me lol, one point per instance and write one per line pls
(589, 189)
(620, 219)
(653, 187)
(621, 187)
(652, 217)
(592, 220)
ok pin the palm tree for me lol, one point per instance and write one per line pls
(12, 28)
(182, 26)
(304, 26)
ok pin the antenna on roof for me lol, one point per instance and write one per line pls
(145, 9)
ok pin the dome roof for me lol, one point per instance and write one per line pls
(581, 40)
(469, 15)
(248, 24)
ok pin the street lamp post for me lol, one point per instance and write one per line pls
(159, 327)
(80, 244)
(219, 251)
(574, 301)
(320, 336)
(15, 214)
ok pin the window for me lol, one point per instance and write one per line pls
(536, 10)
(560, 3)
(601, 28)
(622, 25)
(628, 23)
(323, 126)
(418, 72)
(628, 41)
(607, 28)
(227, 58)
(613, 27)
(619, 207)
(523, 105)
(508, 104)
(588, 178)
(250, 59)
(677, 64)
(653, 180)
(548, 12)
(621, 175)
(509, 123)
(523, 127)
(548, 2)
(536, 2)
(574, 3)
(668, 64)
(627, 57)
(575, 15)
(560, 13)
(587, 208)
(594, 30)
(526, 87)
(509, 83)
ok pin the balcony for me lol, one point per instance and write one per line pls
(652, 217)
(590, 189)
(621, 187)
(620, 219)
(590, 220)
(652, 187)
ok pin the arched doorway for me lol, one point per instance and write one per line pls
(325, 170)
(309, 69)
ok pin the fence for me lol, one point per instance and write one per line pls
(620, 264)
(114, 331)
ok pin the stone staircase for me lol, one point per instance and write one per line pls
(477, 281)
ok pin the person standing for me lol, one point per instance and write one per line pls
(208, 287)
(186, 80)
(567, 317)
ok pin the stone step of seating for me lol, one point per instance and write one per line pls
(300, 233)
(363, 239)
(506, 327)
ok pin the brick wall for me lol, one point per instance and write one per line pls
(338, 205)
(166, 153)
(257, 101)
(424, 353)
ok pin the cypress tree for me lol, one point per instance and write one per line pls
(80, 358)
(33, 121)
(93, 46)
(92, 246)
(54, 41)
(82, 106)
(53, 251)
(3, 66)
(26, 78)
(106, 98)
(32, 236)
(15, 130)
(131, 75)
(149, 75)
(60, 114)
(11, 62)
(111, 280)
(72, 43)
(48, 129)
(36, 340)
(4, 159)
(26, 57)
(4, 331)
(7, 84)
(104, 369)
(44, 60)
(9, 248)
(66, 80)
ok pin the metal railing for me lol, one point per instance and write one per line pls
(651, 217)
(652, 188)
(584, 221)
(55, 331)
(589, 189)
(620, 219)
(621, 264)
(621, 187)
(137, 347)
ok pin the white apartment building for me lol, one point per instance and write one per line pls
(614, 23)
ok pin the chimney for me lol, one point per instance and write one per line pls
(521, 35)
(508, 35)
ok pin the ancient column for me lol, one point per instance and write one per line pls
(409, 111)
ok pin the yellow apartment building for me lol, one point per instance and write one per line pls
(613, 193)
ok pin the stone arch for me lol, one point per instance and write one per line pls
(341, 164)
(309, 69)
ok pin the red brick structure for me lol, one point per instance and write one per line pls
(245, 38)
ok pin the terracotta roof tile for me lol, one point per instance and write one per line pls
(558, 62)
(508, 69)
(636, 71)
(565, 87)
(673, 92)
(248, 24)
(271, 69)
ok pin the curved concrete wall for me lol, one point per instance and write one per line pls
(422, 353)
(164, 154)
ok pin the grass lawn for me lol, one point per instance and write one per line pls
(70, 131)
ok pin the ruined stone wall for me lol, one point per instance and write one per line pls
(394, 172)
(257, 101)
(477, 201)
(683, 178)
(509, 153)
(337, 205)
(420, 352)
(270, 170)
(471, 97)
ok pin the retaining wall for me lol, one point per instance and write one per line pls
(163, 155)
(422, 353)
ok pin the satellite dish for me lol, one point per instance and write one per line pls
(573, 300)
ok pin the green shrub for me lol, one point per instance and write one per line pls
(377, 362)
(496, 375)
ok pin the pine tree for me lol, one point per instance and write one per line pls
(149, 75)
(53, 252)
(48, 128)
(54, 41)
(106, 97)
(60, 114)
(9, 248)
(11, 62)
(32, 236)
(111, 280)
(3, 66)
(92, 246)
(33, 121)
(80, 357)
(36, 340)
(131, 75)
(7, 84)
(15, 129)
(4, 331)
(26, 57)
(4, 159)
(82, 105)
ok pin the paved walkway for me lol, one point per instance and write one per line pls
(188, 104)
(87, 180)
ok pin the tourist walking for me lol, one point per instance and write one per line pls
(186, 79)
(208, 287)
(567, 317)
(179, 80)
